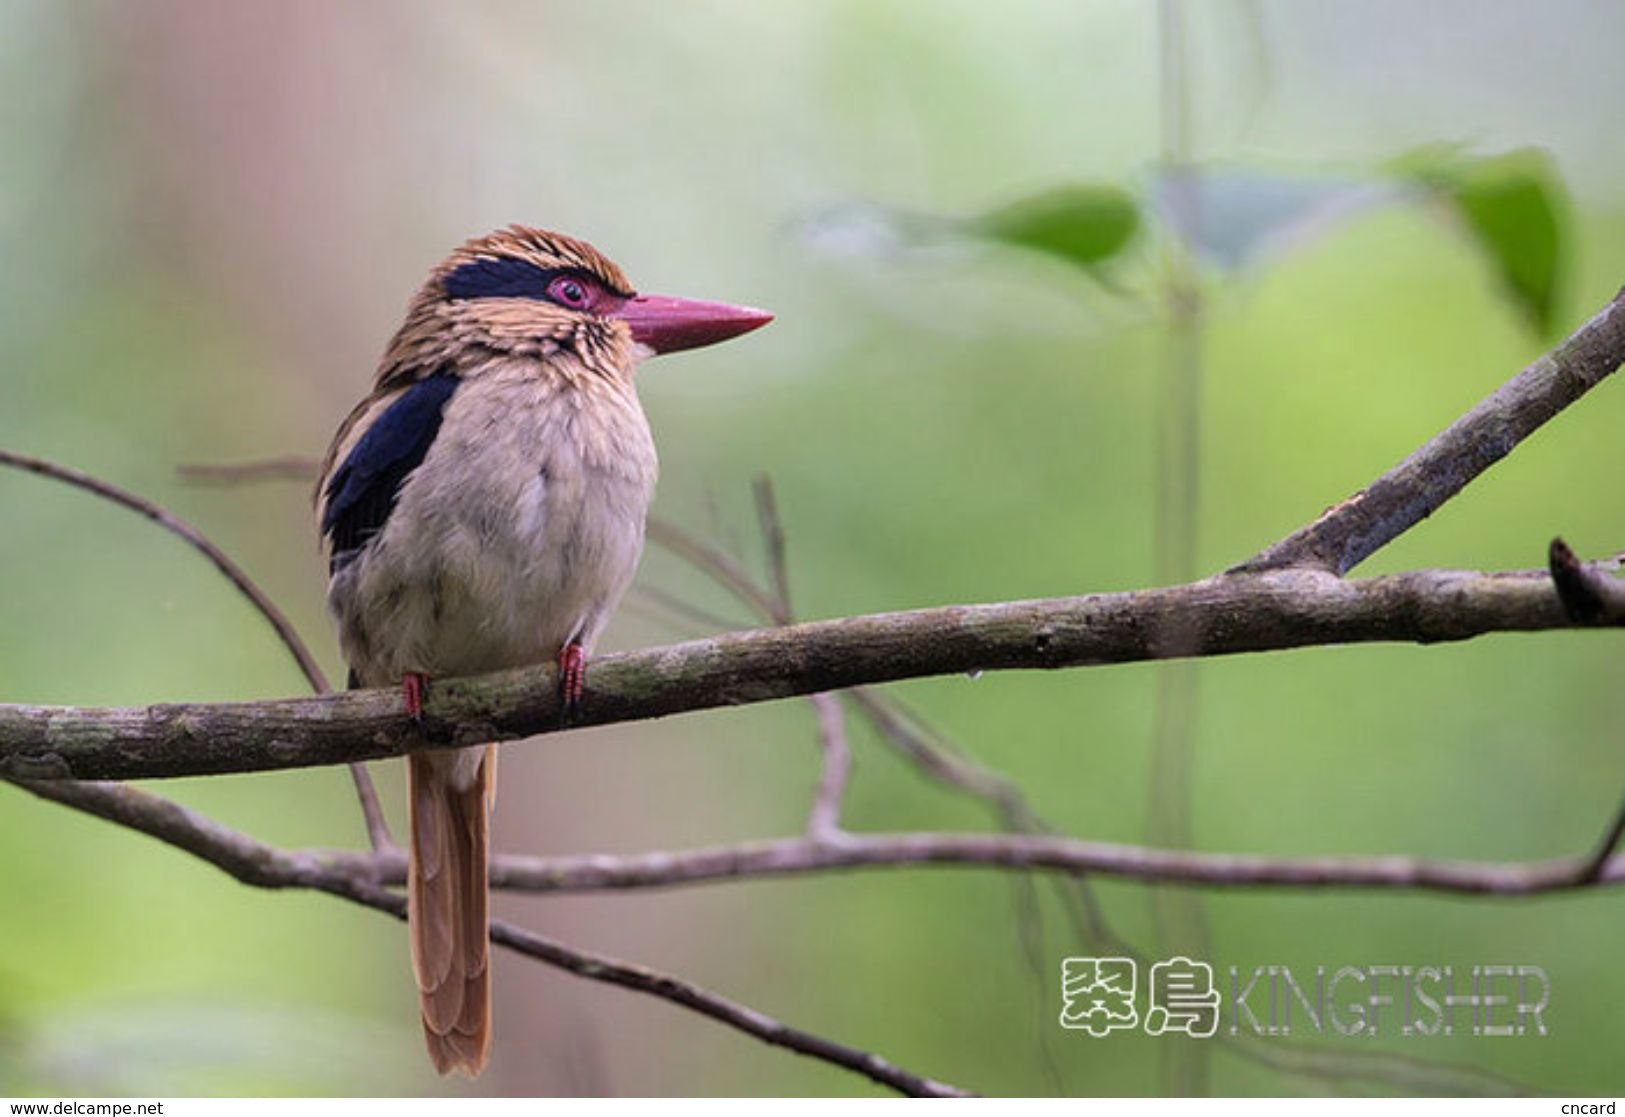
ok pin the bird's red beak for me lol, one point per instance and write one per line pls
(666, 324)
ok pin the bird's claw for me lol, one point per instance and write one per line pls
(414, 687)
(572, 677)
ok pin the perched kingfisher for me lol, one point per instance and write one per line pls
(484, 508)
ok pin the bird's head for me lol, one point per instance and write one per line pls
(531, 293)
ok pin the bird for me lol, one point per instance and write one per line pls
(482, 508)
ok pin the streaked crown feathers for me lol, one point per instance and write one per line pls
(495, 295)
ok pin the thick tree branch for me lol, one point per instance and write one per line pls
(1347, 534)
(1229, 613)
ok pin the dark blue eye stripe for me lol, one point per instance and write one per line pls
(501, 278)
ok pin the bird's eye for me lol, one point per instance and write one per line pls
(569, 291)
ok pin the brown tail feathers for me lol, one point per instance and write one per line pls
(447, 903)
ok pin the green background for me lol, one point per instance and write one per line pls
(211, 216)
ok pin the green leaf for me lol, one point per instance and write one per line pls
(1512, 209)
(1082, 225)
(1513, 206)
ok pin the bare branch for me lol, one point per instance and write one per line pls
(356, 878)
(718, 563)
(896, 724)
(1411, 1075)
(1352, 531)
(264, 866)
(824, 820)
(1602, 861)
(902, 728)
(941, 759)
(794, 856)
(194, 538)
(1588, 594)
(905, 732)
(778, 568)
(235, 853)
(598, 967)
(1233, 614)
(372, 813)
(1290, 595)
(682, 610)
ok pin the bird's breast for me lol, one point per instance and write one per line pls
(519, 532)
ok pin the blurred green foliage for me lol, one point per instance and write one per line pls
(1083, 225)
(1512, 206)
(211, 215)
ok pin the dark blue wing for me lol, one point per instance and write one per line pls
(363, 489)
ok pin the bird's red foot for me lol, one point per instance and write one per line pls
(414, 686)
(572, 676)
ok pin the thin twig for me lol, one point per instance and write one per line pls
(778, 568)
(265, 866)
(355, 877)
(824, 820)
(257, 864)
(685, 610)
(935, 755)
(1595, 868)
(752, 1022)
(371, 812)
(896, 724)
(1414, 489)
(1413, 1076)
(1285, 609)
(796, 856)
(721, 565)
(195, 539)
(1588, 594)
(358, 878)
(905, 732)
(904, 729)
